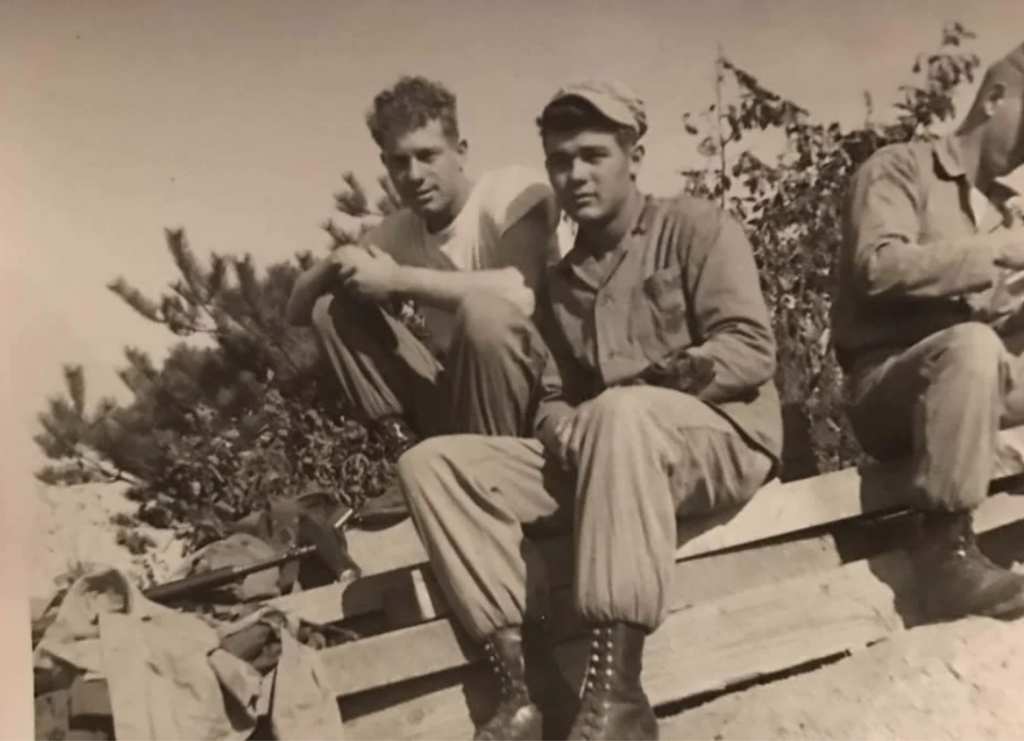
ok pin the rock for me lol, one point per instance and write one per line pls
(948, 681)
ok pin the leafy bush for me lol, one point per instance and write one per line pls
(250, 414)
(791, 209)
(224, 426)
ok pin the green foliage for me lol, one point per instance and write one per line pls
(224, 425)
(792, 207)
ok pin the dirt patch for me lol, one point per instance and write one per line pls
(73, 528)
(954, 681)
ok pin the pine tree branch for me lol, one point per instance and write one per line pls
(354, 200)
(251, 293)
(74, 379)
(134, 298)
(390, 193)
(185, 260)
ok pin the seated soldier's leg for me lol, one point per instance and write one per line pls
(941, 402)
(470, 496)
(387, 375)
(644, 455)
(1013, 403)
(494, 362)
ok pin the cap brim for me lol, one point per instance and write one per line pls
(612, 110)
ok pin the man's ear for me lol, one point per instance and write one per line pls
(463, 150)
(636, 159)
(993, 98)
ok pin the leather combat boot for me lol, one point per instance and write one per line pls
(956, 578)
(557, 699)
(613, 702)
(388, 507)
(516, 716)
(397, 434)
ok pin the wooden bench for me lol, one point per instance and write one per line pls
(808, 570)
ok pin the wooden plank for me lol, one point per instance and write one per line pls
(776, 510)
(379, 553)
(419, 600)
(438, 646)
(709, 647)
(1009, 453)
(784, 508)
(696, 650)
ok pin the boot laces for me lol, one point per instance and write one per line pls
(511, 698)
(597, 685)
(965, 545)
(500, 669)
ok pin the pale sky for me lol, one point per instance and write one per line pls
(236, 118)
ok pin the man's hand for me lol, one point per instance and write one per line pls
(1010, 248)
(513, 288)
(681, 371)
(367, 272)
(557, 440)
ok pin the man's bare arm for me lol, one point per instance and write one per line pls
(526, 240)
(309, 286)
(446, 289)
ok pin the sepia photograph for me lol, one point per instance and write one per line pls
(382, 369)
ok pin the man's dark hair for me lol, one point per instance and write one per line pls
(410, 104)
(571, 115)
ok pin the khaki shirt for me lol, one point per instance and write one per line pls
(914, 260)
(683, 277)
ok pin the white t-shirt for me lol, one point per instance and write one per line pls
(472, 241)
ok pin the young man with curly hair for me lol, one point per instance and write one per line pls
(469, 252)
(658, 402)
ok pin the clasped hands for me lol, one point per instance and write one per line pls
(369, 273)
(1000, 305)
(366, 271)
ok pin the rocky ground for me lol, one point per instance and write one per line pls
(954, 681)
(73, 528)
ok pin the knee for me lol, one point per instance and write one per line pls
(419, 468)
(622, 408)
(483, 319)
(973, 349)
(422, 456)
(323, 314)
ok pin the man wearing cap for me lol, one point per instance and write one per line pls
(927, 321)
(658, 400)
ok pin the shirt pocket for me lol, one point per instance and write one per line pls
(658, 314)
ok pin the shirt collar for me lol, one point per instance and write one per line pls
(949, 158)
(641, 225)
(947, 155)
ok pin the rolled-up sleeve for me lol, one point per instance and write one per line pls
(889, 261)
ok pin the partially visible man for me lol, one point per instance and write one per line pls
(469, 252)
(659, 401)
(925, 308)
